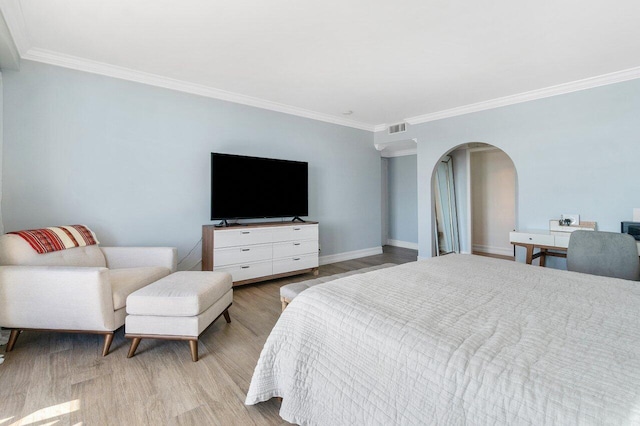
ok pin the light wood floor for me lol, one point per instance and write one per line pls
(62, 379)
(496, 256)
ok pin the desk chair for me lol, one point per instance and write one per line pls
(607, 254)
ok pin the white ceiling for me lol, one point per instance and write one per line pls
(385, 61)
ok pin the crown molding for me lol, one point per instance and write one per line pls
(94, 67)
(12, 12)
(560, 89)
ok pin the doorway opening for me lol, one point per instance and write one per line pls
(474, 189)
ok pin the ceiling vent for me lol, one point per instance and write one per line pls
(397, 128)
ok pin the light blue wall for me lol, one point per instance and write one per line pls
(576, 152)
(1, 143)
(403, 198)
(132, 161)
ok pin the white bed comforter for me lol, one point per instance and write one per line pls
(457, 339)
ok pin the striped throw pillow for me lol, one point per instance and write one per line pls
(56, 238)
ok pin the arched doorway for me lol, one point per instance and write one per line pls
(474, 189)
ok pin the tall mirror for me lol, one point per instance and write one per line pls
(446, 229)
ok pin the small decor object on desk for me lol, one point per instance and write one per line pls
(569, 223)
(569, 219)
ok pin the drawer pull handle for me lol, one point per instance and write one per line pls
(246, 232)
(530, 238)
(246, 249)
(296, 229)
(245, 267)
(296, 244)
(296, 258)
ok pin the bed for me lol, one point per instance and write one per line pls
(457, 339)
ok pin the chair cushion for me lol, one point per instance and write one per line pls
(185, 293)
(126, 281)
(14, 250)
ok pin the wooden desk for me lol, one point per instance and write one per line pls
(544, 241)
(543, 253)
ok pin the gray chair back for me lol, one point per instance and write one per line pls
(608, 254)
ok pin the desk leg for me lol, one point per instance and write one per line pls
(543, 256)
(529, 258)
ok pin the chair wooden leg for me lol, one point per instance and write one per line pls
(226, 316)
(134, 345)
(193, 344)
(13, 337)
(108, 338)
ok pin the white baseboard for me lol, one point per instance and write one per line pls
(356, 254)
(493, 250)
(403, 244)
(425, 258)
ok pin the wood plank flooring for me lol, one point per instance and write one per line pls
(62, 379)
(495, 256)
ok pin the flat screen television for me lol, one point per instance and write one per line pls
(251, 187)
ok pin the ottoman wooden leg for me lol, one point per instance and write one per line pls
(193, 344)
(226, 315)
(285, 302)
(134, 345)
(13, 337)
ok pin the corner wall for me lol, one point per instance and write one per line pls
(403, 201)
(572, 153)
(1, 149)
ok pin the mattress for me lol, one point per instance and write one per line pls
(457, 339)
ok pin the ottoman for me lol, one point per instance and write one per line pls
(178, 307)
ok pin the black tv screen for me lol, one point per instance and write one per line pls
(252, 187)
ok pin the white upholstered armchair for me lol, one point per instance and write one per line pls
(79, 290)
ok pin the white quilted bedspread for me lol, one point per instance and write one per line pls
(457, 339)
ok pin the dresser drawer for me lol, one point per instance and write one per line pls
(295, 263)
(242, 254)
(295, 233)
(292, 248)
(241, 237)
(248, 271)
(532, 238)
(562, 241)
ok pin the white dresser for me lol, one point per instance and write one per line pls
(261, 251)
